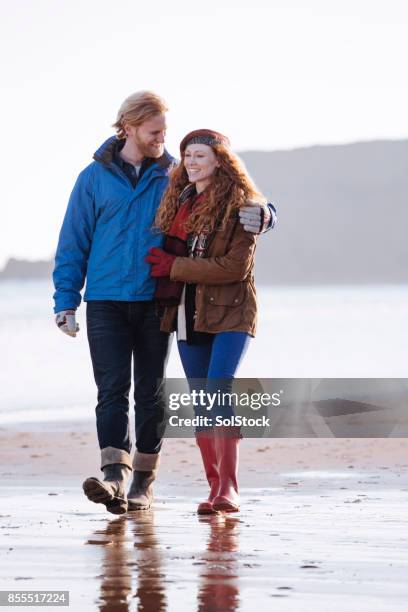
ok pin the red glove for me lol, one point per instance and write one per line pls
(161, 262)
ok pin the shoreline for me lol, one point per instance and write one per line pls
(70, 448)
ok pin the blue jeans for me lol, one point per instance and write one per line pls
(116, 332)
(215, 363)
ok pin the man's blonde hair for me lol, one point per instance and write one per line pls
(137, 108)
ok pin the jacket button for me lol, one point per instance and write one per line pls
(211, 299)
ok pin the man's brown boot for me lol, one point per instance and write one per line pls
(140, 495)
(111, 491)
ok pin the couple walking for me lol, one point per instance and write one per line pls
(164, 247)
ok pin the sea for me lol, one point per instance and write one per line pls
(303, 332)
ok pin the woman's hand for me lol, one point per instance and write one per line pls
(161, 262)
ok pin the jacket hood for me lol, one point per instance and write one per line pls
(104, 154)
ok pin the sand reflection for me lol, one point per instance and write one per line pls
(218, 582)
(131, 565)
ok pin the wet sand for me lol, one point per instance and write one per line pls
(323, 523)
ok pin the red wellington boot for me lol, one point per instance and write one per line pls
(226, 448)
(206, 444)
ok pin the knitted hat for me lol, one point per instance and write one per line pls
(208, 137)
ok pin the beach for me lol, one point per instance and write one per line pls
(323, 522)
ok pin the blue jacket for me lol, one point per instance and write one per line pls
(107, 232)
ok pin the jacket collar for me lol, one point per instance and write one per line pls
(104, 155)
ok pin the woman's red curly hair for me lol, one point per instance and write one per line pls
(230, 189)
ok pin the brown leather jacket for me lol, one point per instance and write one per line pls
(225, 296)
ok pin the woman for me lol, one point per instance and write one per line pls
(206, 289)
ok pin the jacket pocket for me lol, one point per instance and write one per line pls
(226, 295)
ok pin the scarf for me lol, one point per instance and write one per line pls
(176, 242)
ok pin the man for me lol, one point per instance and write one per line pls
(106, 234)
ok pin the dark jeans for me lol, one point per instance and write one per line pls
(211, 367)
(116, 331)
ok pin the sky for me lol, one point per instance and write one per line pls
(271, 74)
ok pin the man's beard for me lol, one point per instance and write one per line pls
(149, 150)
